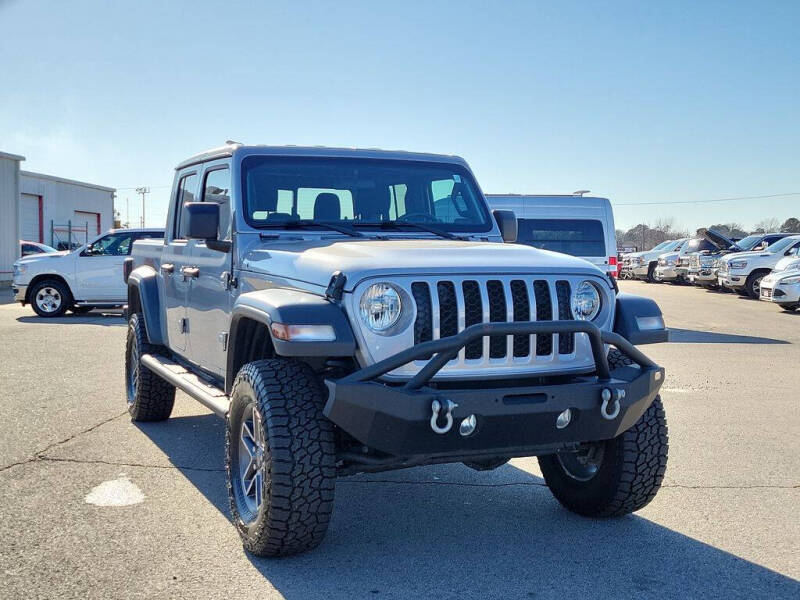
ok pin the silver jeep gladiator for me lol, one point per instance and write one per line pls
(352, 311)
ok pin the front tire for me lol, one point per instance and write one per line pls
(615, 477)
(150, 398)
(790, 307)
(753, 284)
(279, 458)
(50, 298)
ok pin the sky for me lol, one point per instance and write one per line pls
(639, 102)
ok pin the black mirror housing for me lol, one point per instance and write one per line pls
(202, 220)
(507, 222)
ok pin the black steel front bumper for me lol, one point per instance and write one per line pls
(511, 419)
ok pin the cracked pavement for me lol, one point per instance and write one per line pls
(724, 525)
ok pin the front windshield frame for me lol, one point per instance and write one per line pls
(460, 173)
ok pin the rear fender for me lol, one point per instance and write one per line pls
(143, 297)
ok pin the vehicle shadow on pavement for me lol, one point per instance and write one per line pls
(449, 532)
(692, 336)
(105, 319)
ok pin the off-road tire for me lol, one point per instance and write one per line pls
(63, 291)
(750, 285)
(630, 473)
(299, 458)
(150, 398)
(651, 273)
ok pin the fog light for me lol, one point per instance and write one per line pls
(468, 425)
(563, 419)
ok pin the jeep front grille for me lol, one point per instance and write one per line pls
(451, 306)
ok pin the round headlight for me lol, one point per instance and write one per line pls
(585, 301)
(380, 306)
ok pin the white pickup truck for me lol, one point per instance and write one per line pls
(743, 271)
(85, 278)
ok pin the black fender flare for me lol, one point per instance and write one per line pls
(639, 320)
(291, 307)
(143, 297)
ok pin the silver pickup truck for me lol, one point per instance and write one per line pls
(351, 311)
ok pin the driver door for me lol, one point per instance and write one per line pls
(98, 269)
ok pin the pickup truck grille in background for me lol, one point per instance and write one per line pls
(448, 307)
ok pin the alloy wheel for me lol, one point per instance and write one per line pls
(252, 465)
(48, 299)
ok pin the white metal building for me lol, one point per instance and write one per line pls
(52, 210)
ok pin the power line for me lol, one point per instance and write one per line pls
(154, 187)
(705, 201)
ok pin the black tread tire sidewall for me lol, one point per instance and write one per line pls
(154, 398)
(63, 289)
(300, 457)
(748, 286)
(630, 474)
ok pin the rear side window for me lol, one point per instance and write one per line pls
(186, 192)
(578, 237)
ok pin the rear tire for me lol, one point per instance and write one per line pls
(150, 398)
(279, 458)
(50, 298)
(615, 477)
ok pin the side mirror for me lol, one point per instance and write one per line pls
(202, 223)
(507, 222)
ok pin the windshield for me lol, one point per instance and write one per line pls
(663, 245)
(360, 192)
(749, 241)
(578, 237)
(781, 245)
(46, 249)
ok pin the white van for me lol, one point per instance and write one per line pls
(582, 226)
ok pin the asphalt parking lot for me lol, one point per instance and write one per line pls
(725, 524)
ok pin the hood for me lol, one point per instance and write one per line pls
(745, 255)
(786, 262)
(716, 238)
(315, 261)
(668, 255)
(42, 256)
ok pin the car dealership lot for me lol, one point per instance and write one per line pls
(724, 525)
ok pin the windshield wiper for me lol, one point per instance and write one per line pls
(421, 227)
(303, 223)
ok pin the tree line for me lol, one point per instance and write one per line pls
(644, 236)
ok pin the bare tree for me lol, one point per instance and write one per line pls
(767, 225)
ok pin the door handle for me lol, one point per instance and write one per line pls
(190, 272)
(167, 268)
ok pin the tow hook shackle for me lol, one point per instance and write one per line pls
(436, 409)
(612, 397)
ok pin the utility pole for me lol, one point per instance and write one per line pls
(143, 191)
(127, 212)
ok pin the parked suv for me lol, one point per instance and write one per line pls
(782, 285)
(86, 278)
(642, 265)
(350, 311)
(743, 271)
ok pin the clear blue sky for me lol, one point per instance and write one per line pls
(637, 101)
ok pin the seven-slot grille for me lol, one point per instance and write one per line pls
(444, 308)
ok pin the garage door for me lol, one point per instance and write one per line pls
(88, 219)
(29, 225)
